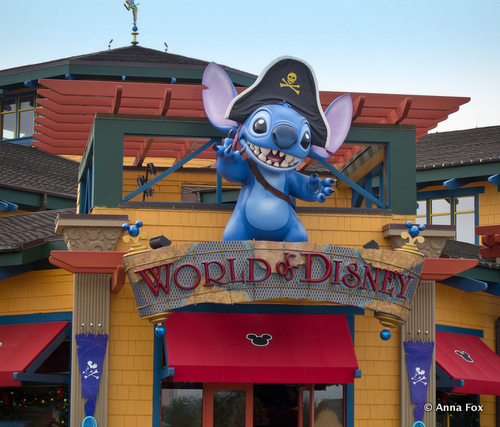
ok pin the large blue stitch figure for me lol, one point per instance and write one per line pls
(278, 122)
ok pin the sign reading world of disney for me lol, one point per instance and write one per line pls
(231, 272)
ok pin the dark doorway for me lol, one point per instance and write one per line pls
(275, 405)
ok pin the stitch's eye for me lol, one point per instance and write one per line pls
(260, 126)
(306, 140)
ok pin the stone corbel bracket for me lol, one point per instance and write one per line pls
(435, 236)
(91, 240)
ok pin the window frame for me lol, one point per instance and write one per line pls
(17, 114)
(429, 196)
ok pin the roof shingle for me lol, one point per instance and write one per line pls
(459, 147)
(30, 168)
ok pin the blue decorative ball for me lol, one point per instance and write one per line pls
(125, 227)
(160, 331)
(414, 231)
(139, 223)
(134, 28)
(408, 224)
(385, 334)
(133, 231)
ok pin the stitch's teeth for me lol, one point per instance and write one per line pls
(282, 154)
(265, 151)
(289, 158)
(269, 162)
(284, 164)
(262, 157)
(275, 151)
(276, 164)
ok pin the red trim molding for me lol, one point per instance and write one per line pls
(89, 262)
(442, 268)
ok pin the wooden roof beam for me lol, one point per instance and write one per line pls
(146, 145)
(399, 113)
(187, 149)
(357, 106)
(117, 99)
(165, 103)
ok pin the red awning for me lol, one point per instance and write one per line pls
(260, 348)
(468, 358)
(21, 344)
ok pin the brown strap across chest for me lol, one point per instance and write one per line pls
(262, 181)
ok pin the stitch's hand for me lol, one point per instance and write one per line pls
(320, 188)
(226, 151)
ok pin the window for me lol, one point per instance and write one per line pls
(17, 117)
(458, 210)
(34, 406)
(243, 405)
(181, 404)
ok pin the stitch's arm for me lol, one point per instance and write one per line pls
(230, 163)
(310, 188)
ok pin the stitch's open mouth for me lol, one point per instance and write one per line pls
(274, 157)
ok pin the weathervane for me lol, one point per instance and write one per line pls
(130, 5)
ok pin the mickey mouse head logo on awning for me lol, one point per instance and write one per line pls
(259, 341)
(464, 355)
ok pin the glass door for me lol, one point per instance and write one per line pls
(227, 405)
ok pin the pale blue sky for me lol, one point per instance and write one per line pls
(439, 47)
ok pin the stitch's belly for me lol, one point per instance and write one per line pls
(265, 211)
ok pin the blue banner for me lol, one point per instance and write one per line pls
(418, 366)
(91, 351)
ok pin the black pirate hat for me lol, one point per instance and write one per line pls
(290, 80)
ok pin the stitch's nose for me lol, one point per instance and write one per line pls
(284, 136)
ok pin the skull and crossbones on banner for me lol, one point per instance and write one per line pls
(91, 370)
(419, 376)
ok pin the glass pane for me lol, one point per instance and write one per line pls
(329, 406)
(229, 408)
(440, 206)
(306, 399)
(26, 102)
(181, 405)
(34, 406)
(422, 208)
(26, 123)
(465, 224)
(8, 106)
(464, 204)
(8, 126)
(441, 220)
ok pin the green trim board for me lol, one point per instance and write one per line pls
(104, 149)
(104, 154)
(440, 174)
(36, 200)
(31, 254)
(17, 76)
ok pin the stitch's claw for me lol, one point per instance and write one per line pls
(320, 188)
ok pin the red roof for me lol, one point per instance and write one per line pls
(67, 108)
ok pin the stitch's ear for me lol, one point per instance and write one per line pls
(339, 117)
(217, 97)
